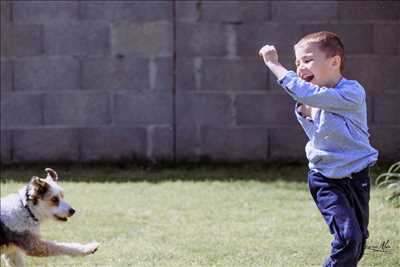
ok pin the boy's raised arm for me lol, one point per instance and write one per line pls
(346, 98)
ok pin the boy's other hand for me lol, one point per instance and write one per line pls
(269, 54)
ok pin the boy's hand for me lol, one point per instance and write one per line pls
(269, 54)
(304, 110)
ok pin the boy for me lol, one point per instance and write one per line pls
(332, 112)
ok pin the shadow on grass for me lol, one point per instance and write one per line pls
(156, 173)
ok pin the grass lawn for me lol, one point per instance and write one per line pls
(205, 216)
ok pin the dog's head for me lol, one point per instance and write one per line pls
(47, 197)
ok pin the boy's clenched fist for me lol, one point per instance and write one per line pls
(269, 54)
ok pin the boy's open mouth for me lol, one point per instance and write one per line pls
(307, 77)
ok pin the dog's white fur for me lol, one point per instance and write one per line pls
(21, 215)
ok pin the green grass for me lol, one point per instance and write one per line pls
(205, 216)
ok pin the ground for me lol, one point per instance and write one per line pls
(200, 216)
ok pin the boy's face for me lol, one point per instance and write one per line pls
(314, 66)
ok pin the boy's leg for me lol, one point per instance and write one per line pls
(361, 192)
(338, 203)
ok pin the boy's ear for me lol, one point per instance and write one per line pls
(336, 61)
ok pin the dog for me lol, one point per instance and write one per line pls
(23, 212)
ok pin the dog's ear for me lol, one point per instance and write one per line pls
(51, 174)
(36, 189)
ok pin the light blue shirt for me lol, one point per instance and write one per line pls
(337, 131)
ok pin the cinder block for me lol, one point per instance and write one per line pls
(234, 144)
(5, 146)
(204, 109)
(387, 38)
(115, 73)
(126, 11)
(161, 143)
(387, 108)
(234, 75)
(221, 74)
(357, 38)
(45, 11)
(288, 144)
(251, 37)
(46, 145)
(188, 10)
(161, 74)
(386, 139)
(46, 73)
(187, 142)
(21, 110)
(265, 109)
(186, 73)
(375, 73)
(5, 11)
(200, 39)
(370, 98)
(6, 80)
(369, 10)
(304, 10)
(21, 40)
(77, 108)
(150, 39)
(127, 73)
(234, 11)
(140, 108)
(80, 39)
(113, 143)
(222, 11)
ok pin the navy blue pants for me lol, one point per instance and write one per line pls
(344, 205)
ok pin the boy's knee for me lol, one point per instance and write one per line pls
(353, 239)
(348, 239)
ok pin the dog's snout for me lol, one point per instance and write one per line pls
(71, 211)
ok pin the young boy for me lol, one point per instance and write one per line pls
(332, 112)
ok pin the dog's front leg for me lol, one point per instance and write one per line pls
(41, 248)
(13, 259)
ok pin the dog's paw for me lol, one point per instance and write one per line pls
(91, 248)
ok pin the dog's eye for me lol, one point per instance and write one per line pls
(55, 200)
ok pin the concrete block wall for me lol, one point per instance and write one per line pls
(86, 81)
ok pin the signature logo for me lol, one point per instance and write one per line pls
(382, 247)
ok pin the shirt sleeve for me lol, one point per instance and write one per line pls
(305, 122)
(344, 97)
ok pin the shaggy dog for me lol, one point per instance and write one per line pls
(21, 215)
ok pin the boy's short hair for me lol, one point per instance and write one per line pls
(329, 43)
